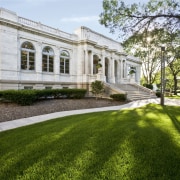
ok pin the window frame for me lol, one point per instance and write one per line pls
(64, 62)
(49, 61)
(29, 53)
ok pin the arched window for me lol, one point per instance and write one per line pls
(64, 62)
(48, 59)
(27, 56)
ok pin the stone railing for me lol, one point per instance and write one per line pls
(42, 27)
(102, 40)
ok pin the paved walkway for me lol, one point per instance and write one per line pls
(35, 119)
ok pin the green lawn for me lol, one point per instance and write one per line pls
(134, 144)
(174, 97)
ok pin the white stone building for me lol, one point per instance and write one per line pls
(33, 55)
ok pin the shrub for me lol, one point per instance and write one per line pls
(43, 94)
(1, 94)
(158, 93)
(22, 97)
(28, 97)
(97, 88)
(149, 86)
(118, 97)
(77, 93)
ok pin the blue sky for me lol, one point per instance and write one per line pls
(66, 15)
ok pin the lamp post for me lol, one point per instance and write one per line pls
(162, 74)
(148, 53)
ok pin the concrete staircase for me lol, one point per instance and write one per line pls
(134, 91)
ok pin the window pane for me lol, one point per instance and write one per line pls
(24, 56)
(64, 53)
(27, 45)
(31, 61)
(48, 87)
(28, 87)
(27, 56)
(51, 64)
(67, 66)
(48, 50)
(61, 65)
(44, 63)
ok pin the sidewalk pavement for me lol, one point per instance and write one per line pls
(35, 119)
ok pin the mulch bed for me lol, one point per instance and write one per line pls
(10, 111)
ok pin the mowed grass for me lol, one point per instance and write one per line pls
(142, 143)
(174, 97)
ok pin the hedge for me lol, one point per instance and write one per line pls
(158, 93)
(22, 97)
(149, 86)
(118, 97)
(28, 97)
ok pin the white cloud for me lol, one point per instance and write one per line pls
(80, 19)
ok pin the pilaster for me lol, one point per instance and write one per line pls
(56, 63)
(38, 61)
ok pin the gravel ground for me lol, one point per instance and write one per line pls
(10, 111)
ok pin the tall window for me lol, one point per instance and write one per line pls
(64, 62)
(27, 56)
(48, 59)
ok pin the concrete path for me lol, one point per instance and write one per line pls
(35, 119)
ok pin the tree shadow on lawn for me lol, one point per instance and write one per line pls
(128, 144)
(173, 113)
(141, 147)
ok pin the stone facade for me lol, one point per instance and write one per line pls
(33, 55)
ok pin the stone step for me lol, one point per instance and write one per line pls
(135, 92)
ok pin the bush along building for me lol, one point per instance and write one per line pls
(36, 56)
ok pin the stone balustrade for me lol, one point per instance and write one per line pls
(39, 26)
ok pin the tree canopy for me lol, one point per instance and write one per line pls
(134, 18)
(147, 46)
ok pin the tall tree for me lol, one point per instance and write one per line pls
(173, 58)
(146, 46)
(130, 19)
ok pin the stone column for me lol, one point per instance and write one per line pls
(138, 73)
(91, 63)
(112, 71)
(118, 71)
(121, 70)
(125, 69)
(86, 63)
(103, 65)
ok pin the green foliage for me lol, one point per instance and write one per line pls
(1, 94)
(173, 61)
(28, 97)
(133, 144)
(99, 65)
(22, 97)
(158, 93)
(174, 97)
(118, 97)
(97, 88)
(149, 86)
(132, 70)
(146, 46)
(74, 93)
(136, 17)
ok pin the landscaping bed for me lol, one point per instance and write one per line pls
(12, 111)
